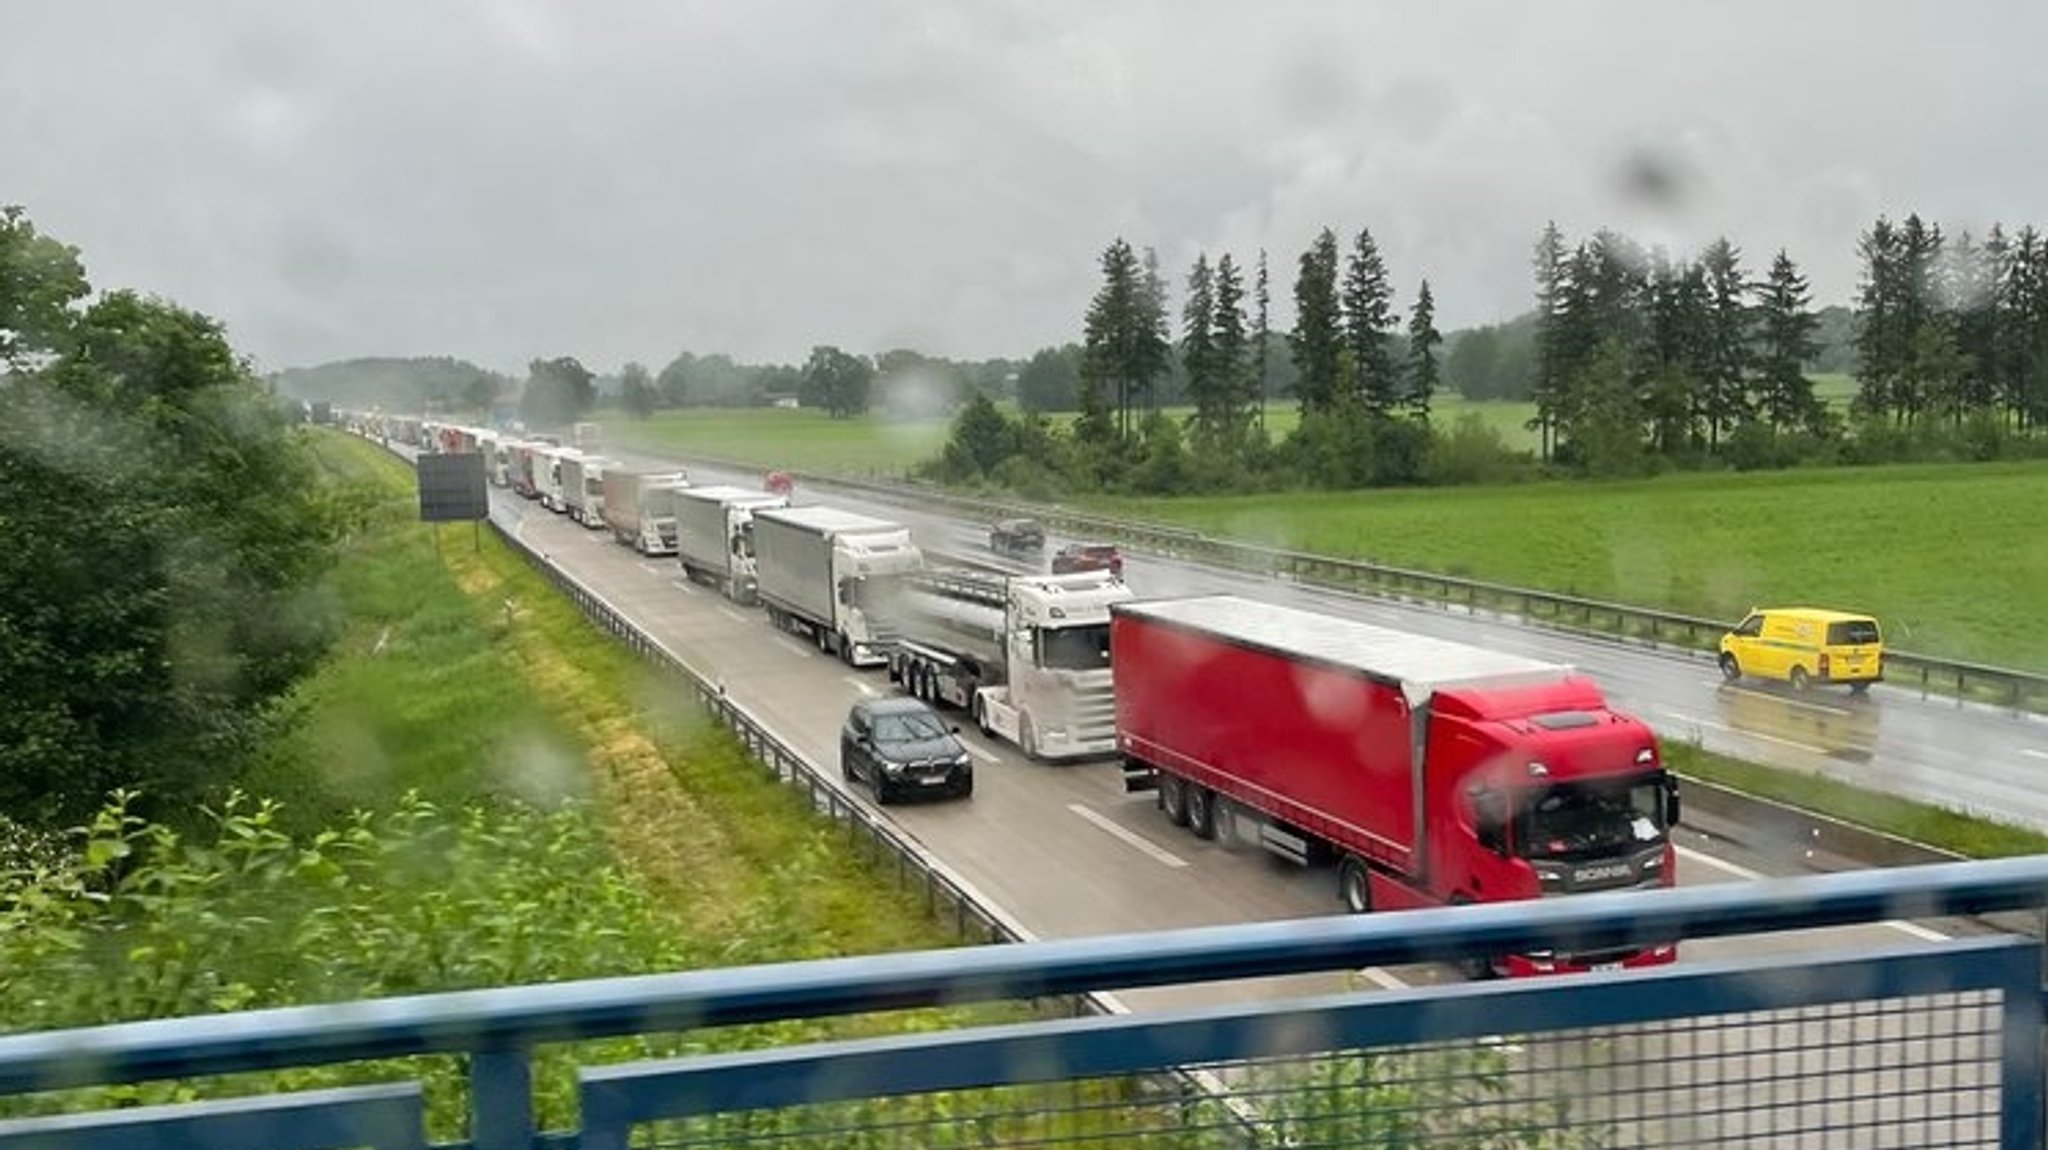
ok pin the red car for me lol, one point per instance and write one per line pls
(778, 483)
(1088, 557)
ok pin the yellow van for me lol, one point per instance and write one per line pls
(1804, 646)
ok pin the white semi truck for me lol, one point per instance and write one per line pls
(640, 507)
(813, 566)
(549, 474)
(583, 487)
(1026, 655)
(715, 537)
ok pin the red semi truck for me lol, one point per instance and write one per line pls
(1430, 772)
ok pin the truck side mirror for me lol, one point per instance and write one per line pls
(1489, 818)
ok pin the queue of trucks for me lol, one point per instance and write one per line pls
(1426, 772)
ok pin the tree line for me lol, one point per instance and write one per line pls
(165, 532)
(1635, 361)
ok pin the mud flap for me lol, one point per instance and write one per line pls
(1138, 777)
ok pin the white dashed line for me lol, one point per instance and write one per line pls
(1925, 934)
(861, 686)
(736, 615)
(1382, 979)
(1723, 865)
(683, 585)
(1917, 931)
(1132, 838)
(651, 569)
(2036, 754)
(985, 756)
(793, 645)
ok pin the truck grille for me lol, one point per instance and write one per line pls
(1095, 713)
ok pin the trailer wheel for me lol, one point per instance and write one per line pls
(1201, 803)
(1353, 885)
(981, 717)
(1173, 799)
(1027, 737)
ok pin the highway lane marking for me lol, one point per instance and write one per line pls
(861, 686)
(1723, 865)
(1925, 934)
(682, 585)
(1382, 979)
(1795, 744)
(984, 755)
(651, 569)
(735, 614)
(793, 645)
(2034, 753)
(1132, 838)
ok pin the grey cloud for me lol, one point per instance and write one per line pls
(619, 180)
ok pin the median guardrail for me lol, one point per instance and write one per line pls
(1931, 674)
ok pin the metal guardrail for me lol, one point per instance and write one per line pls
(2020, 690)
(1933, 1045)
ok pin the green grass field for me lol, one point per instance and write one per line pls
(1952, 559)
(876, 447)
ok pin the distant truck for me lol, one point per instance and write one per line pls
(549, 475)
(1431, 772)
(528, 464)
(813, 565)
(715, 537)
(587, 437)
(583, 487)
(1026, 655)
(640, 507)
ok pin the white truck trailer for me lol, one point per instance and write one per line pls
(1026, 655)
(715, 537)
(640, 507)
(814, 564)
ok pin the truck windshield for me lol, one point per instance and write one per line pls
(1583, 820)
(1074, 648)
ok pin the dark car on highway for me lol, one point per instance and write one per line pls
(901, 747)
(1016, 537)
(1088, 557)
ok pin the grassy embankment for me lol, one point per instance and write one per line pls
(466, 676)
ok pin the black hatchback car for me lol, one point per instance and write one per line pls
(901, 747)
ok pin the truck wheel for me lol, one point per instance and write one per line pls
(981, 717)
(1730, 669)
(1202, 811)
(1800, 681)
(1173, 799)
(1353, 887)
(1027, 737)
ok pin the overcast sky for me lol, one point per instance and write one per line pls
(500, 179)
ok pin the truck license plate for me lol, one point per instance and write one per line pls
(1606, 966)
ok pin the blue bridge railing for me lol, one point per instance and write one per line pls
(1936, 1043)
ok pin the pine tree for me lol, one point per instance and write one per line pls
(1233, 351)
(1368, 327)
(1124, 351)
(1206, 390)
(1317, 339)
(1262, 335)
(1549, 263)
(1158, 330)
(1785, 344)
(1423, 340)
(1880, 347)
(1724, 379)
